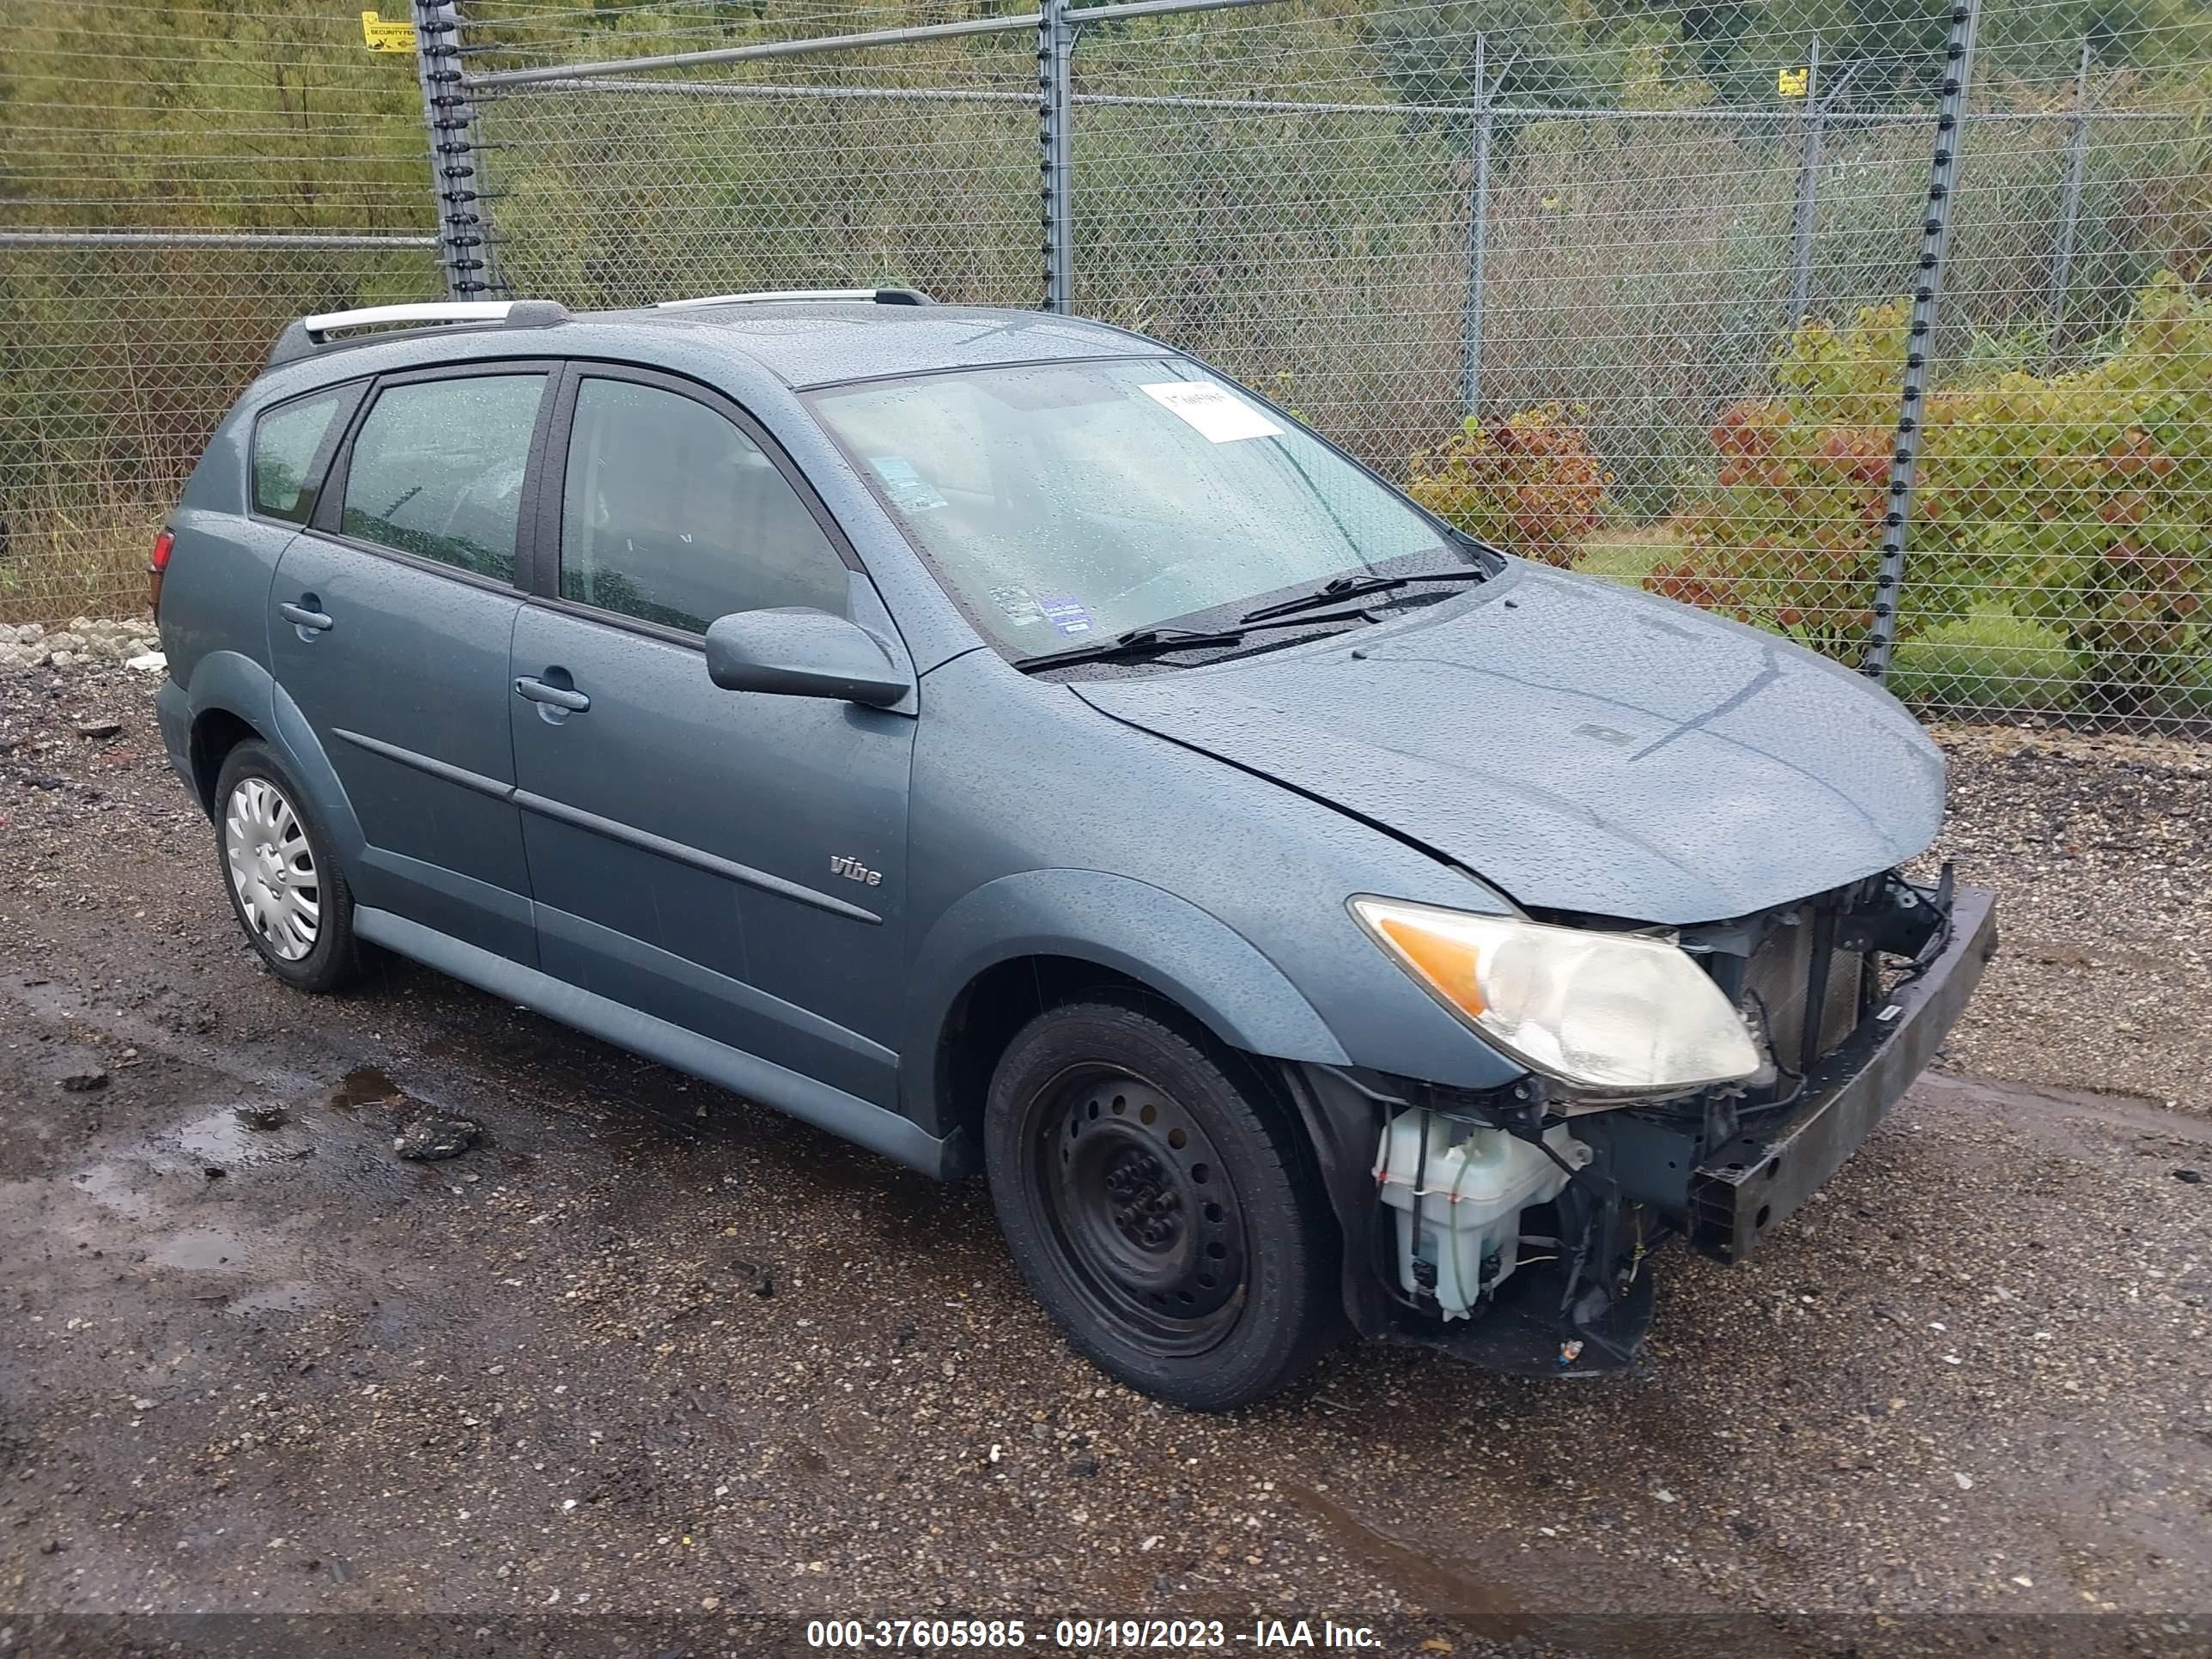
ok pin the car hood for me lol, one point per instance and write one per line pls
(1580, 746)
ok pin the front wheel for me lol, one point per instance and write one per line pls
(1156, 1202)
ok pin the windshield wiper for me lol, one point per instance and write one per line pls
(1141, 642)
(1338, 588)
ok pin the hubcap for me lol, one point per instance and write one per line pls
(272, 869)
(1142, 1209)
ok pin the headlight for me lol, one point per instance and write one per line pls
(1605, 1011)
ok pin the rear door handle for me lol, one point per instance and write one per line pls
(300, 616)
(560, 696)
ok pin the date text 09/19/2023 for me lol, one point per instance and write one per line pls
(1081, 1635)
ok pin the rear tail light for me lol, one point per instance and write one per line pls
(164, 545)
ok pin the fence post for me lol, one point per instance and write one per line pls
(456, 166)
(1056, 72)
(1808, 185)
(2069, 200)
(1478, 236)
(1920, 334)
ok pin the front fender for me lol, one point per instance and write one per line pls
(1143, 931)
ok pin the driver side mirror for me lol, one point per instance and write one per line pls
(798, 652)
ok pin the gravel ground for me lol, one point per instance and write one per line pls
(650, 1350)
(2101, 848)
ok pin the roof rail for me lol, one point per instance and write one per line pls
(309, 335)
(882, 297)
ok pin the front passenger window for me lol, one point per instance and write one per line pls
(672, 514)
(437, 469)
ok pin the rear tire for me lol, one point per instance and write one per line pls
(283, 880)
(1159, 1204)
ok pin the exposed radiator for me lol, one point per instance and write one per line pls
(1780, 976)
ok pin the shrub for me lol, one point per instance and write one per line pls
(1531, 482)
(2082, 502)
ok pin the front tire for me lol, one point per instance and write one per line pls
(1158, 1203)
(284, 883)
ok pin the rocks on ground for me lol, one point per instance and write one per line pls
(87, 638)
(432, 1136)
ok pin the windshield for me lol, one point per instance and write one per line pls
(1064, 504)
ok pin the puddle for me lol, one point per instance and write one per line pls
(158, 1188)
(116, 1189)
(220, 1138)
(2034, 1107)
(206, 1248)
(364, 1085)
(293, 1296)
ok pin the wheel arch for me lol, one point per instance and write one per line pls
(227, 701)
(1015, 946)
(232, 698)
(214, 732)
(994, 1005)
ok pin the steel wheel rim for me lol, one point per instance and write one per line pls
(272, 869)
(1141, 1209)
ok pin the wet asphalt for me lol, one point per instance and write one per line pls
(650, 1350)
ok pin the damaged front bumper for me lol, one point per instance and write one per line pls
(1745, 1187)
(1580, 1298)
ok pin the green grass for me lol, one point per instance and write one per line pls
(1625, 556)
(2190, 697)
(1989, 659)
(94, 565)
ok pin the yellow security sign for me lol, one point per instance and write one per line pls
(386, 36)
(1793, 83)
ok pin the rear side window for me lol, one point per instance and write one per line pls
(672, 514)
(285, 441)
(437, 469)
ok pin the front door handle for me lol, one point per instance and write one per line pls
(305, 616)
(559, 696)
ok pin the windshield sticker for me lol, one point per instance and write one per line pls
(1219, 417)
(1017, 603)
(909, 491)
(1067, 615)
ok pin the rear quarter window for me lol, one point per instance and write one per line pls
(288, 441)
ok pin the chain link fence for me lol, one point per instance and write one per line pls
(794, 171)
(176, 183)
(1883, 324)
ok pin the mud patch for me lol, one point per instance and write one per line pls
(1441, 1586)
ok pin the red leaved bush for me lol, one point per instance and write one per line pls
(1530, 483)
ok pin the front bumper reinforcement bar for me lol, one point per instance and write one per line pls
(1752, 1184)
